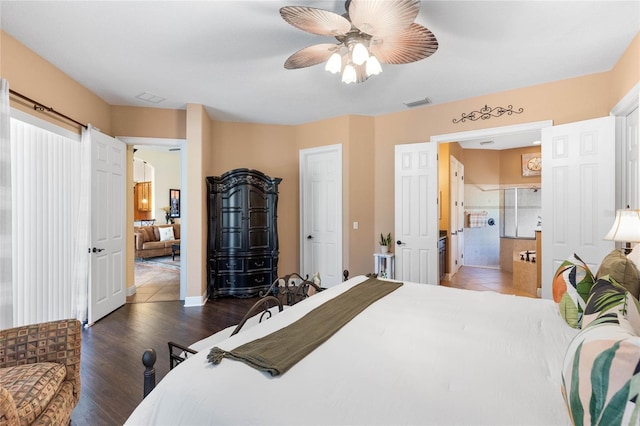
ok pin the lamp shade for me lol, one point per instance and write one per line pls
(334, 64)
(349, 74)
(626, 227)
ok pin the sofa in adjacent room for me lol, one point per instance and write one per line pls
(155, 240)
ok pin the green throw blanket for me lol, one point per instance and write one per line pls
(282, 349)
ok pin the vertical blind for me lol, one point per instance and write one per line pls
(46, 170)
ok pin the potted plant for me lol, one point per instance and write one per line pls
(385, 242)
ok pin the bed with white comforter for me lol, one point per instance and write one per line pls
(422, 355)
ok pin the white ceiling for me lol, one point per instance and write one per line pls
(229, 55)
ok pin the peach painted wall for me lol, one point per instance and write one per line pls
(361, 243)
(481, 167)
(32, 76)
(194, 220)
(148, 122)
(272, 150)
(511, 167)
(626, 73)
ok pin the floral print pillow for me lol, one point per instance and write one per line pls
(572, 283)
(601, 373)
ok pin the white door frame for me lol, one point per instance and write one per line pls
(303, 153)
(493, 131)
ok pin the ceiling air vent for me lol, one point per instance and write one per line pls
(412, 104)
(150, 97)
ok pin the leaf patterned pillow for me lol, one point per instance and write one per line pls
(572, 283)
(610, 302)
(601, 372)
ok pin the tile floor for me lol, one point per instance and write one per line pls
(155, 283)
(483, 279)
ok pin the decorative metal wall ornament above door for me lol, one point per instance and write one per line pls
(487, 112)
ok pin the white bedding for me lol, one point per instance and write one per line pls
(421, 355)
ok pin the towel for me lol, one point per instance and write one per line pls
(477, 219)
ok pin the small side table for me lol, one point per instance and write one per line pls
(385, 265)
(175, 248)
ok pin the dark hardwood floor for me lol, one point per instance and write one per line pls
(111, 366)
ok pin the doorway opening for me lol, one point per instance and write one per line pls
(493, 162)
(158, 168)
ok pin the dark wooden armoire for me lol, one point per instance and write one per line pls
(242, 244)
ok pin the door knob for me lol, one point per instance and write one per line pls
(399, 243)
(309, 237)
(454, 233)
(97, 250)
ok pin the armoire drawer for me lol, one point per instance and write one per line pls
(231, 265)
(258, 264)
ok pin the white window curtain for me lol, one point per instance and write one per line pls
(6, 284)
(49, 271)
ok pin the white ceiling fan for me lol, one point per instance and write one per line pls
(369, 33)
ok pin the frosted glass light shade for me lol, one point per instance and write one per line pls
(626, 226)
(360, 54)
(334, 64)
(349, 74)
(373, 66)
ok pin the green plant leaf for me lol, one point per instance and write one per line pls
(577, 411)
(634, 391)
(609, 299)
(612, 414)
(600, 381)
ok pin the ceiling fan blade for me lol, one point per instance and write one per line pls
(315, 21)
(309, 56)
(383, 17)
(411, 45)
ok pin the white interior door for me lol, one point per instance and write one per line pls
(456, 214)
(416, 212)
(107, 290)
(321, 213)
(578, 201)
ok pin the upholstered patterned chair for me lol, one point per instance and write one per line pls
(40, 373)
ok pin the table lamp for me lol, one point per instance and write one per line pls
(626, 228)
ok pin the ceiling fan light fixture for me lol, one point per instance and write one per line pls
(373, 66)
(370, 33)
(334, 64)
(359, 54)
(349, 74)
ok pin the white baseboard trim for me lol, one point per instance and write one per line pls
(193, 301)
(131, 290)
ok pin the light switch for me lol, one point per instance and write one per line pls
(355, 225)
